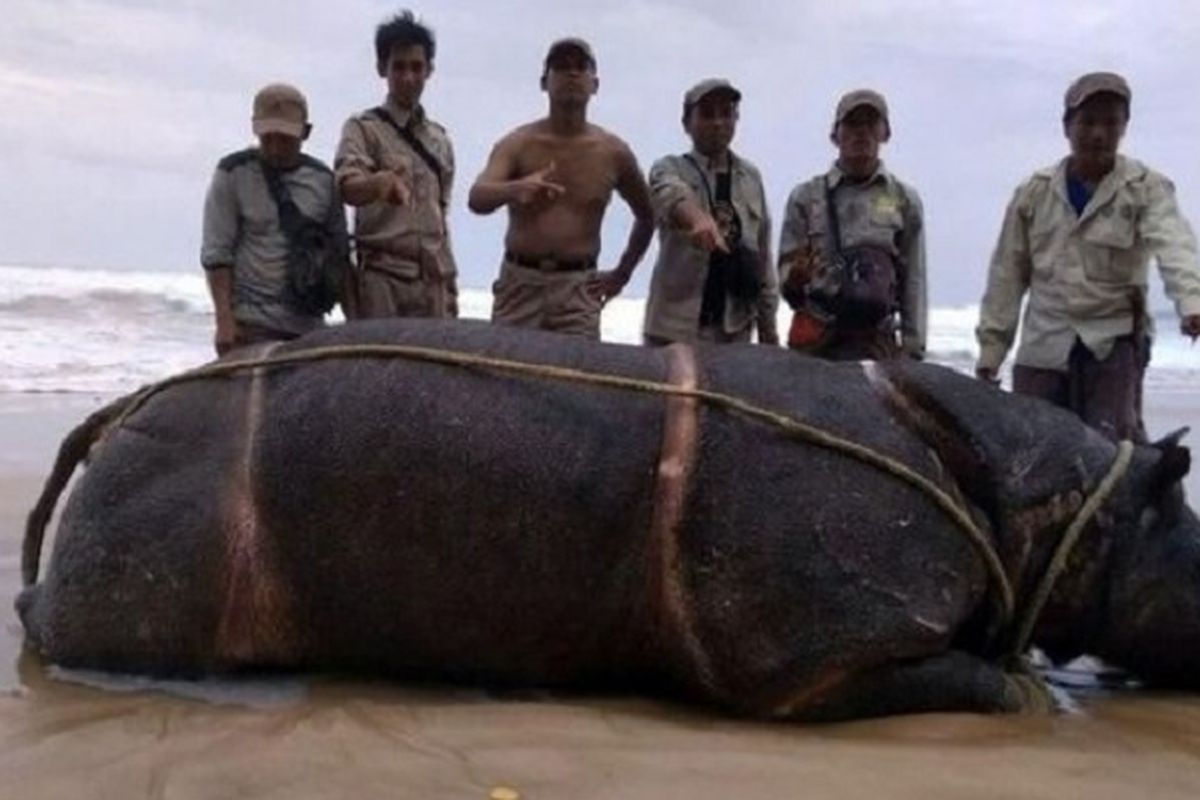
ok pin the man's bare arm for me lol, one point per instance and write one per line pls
(497, 185)
(633, 189)
(220, 286)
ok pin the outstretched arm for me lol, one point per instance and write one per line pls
(361, 179)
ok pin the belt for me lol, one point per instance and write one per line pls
(550, 264)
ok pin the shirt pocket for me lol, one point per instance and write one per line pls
(752, 216)
(1110, 241)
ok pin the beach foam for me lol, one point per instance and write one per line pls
(108, 331)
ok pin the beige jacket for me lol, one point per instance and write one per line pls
(677, 285)
(1085, 275)
(883, 212)
(410, 240)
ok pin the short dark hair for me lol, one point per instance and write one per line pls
(403, 30)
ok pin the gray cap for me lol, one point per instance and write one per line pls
(857, 99)
(706, 87)
(570, 43)
(280, 108)
(1095, 83)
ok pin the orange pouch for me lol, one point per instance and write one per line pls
(806, 332)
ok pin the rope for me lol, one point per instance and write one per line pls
(804, 431)
(1066, 545)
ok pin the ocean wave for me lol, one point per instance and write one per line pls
(109, 331)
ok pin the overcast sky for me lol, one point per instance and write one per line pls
(114, 112)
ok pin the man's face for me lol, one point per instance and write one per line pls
(406, 70)
(570, 77)
(1095, 129)
(860, 134)
(279, 150)
(712, 122)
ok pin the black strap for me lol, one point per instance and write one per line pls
(291, 218)
(417, 146)
(704, 179)
(835, 228)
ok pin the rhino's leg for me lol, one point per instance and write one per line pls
(950, 681)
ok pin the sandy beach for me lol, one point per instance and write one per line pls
(300, 737)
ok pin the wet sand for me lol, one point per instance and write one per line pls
(300, 737)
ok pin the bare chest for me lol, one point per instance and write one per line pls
(587, 169)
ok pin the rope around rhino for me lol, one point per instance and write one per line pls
(1004, 593)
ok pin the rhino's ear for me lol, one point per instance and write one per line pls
(1176, 460)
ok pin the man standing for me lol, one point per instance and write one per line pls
(1078, 237)
(852, 251)
(396, 167)
(272, 221)
(556, 176)
(714, 279)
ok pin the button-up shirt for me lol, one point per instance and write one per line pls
(1085, 274)
(415, 232)
(882, 212)
(677, 285)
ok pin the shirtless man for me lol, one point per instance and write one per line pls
(556, 176)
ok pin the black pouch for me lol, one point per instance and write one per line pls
(861, 285)
(742, 279)
(315, 264)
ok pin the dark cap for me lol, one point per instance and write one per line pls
(857, 99)
(570, 43)
(709, 86)
(280, 108)
(1095, 83)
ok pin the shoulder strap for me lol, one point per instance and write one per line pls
(835, 228)
(291, 219)
(416, 144)
(703, 180)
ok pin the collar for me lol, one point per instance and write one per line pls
(1122, 172)
(836, 175)
(405, 118)
(735, 164)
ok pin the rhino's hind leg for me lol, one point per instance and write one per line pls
(951, 681)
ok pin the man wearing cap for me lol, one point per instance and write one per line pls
(714, 279)
(852, 249)
(256, 200)
(1077, 238)
(556, 176)
(396, 167)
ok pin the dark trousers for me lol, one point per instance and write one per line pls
(1106, 393)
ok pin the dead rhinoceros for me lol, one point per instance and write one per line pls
(428, 517)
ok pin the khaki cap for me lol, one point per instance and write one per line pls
(280, 108)
(570, 43)
(706, 87)
(858, 98)
(1095, 83)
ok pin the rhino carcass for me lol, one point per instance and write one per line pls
(461, 523)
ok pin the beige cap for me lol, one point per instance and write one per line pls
(706, 87)
(858, 98)
(280, 108)
(1095, 83)
(570, 43)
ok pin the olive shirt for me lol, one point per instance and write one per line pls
(1085, 273)
(242, 231)
(882, 212)
(410, 241)
(677, 285)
